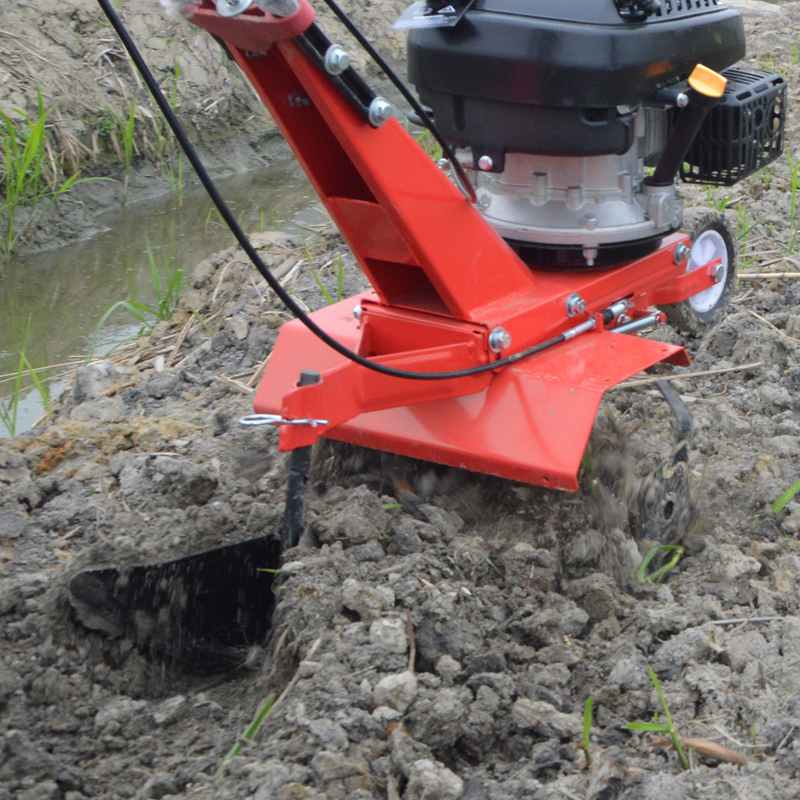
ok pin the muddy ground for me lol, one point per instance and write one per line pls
(442, 640)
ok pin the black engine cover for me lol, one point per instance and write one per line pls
(579, 59)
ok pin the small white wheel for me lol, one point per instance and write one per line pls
(712, 239)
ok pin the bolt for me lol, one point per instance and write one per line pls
(590, 254)
(589, 222)
(499, 340)
(719, 273)
(230, 8)
(485, 163)
(336, 60)
(380, 111)
(682, 100)
(681, 253)
(357, 312)
(575, 305)
(297, 100)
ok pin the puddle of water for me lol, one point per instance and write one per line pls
(58, 296)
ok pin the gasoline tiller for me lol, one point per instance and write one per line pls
(510, 280)
(568, 122)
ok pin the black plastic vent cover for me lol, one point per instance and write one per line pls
(683, 8)
(742, 134)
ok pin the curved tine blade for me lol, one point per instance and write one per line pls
(683, 418)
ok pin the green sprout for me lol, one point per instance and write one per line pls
(658, 574)
(247, 736)
(660, 727)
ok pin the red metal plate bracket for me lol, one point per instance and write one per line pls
(530, 422)
(687, 285)
(255, 30)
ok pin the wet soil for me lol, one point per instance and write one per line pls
(442, 637)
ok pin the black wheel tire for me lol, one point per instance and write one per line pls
(701, 312)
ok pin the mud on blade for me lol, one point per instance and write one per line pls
(205, 609)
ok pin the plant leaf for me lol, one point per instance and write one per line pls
(647, 726)
(781, 502)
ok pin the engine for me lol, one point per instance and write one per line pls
(574, 118)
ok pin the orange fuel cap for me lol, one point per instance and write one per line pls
(707, 82)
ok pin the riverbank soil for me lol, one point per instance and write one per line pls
(69, 53)
(442, 637)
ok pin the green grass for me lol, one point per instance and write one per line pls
(164, 148)
(168, 290)
(247, 736)
(794, 180)
(661, 572)
(587, 731)
(199, 317)
(713, 200)
(25, 182)
(785, 498)
(426, 141)
(173, 286)
(9, 407)
(660, 727)
(128, 132)
(339, 278)
(766, 177)
(743, 229)
(175, 177)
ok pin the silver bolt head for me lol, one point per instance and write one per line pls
(682, 100)
(357, 312)
(575, 305)
(380, 111)
(485, 163)
(719, 273)
(681, 253)
(499, 340)
(336, 60)
(230, 8)
(589, 222)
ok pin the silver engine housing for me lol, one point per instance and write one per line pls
(584, 202)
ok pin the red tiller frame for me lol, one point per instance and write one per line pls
(442, 281)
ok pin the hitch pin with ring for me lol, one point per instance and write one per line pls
(277, 419)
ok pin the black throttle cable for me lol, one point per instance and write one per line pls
(252, 254)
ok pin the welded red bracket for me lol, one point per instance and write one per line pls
(443, 280)
(686, 285)
(253, 31)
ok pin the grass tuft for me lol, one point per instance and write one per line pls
(660, 727)
(10, 406)
(339, 277)
(25, 179)
(785, 498)
(168, 295)
(247, 736)
(586, 744)
(658, 574)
